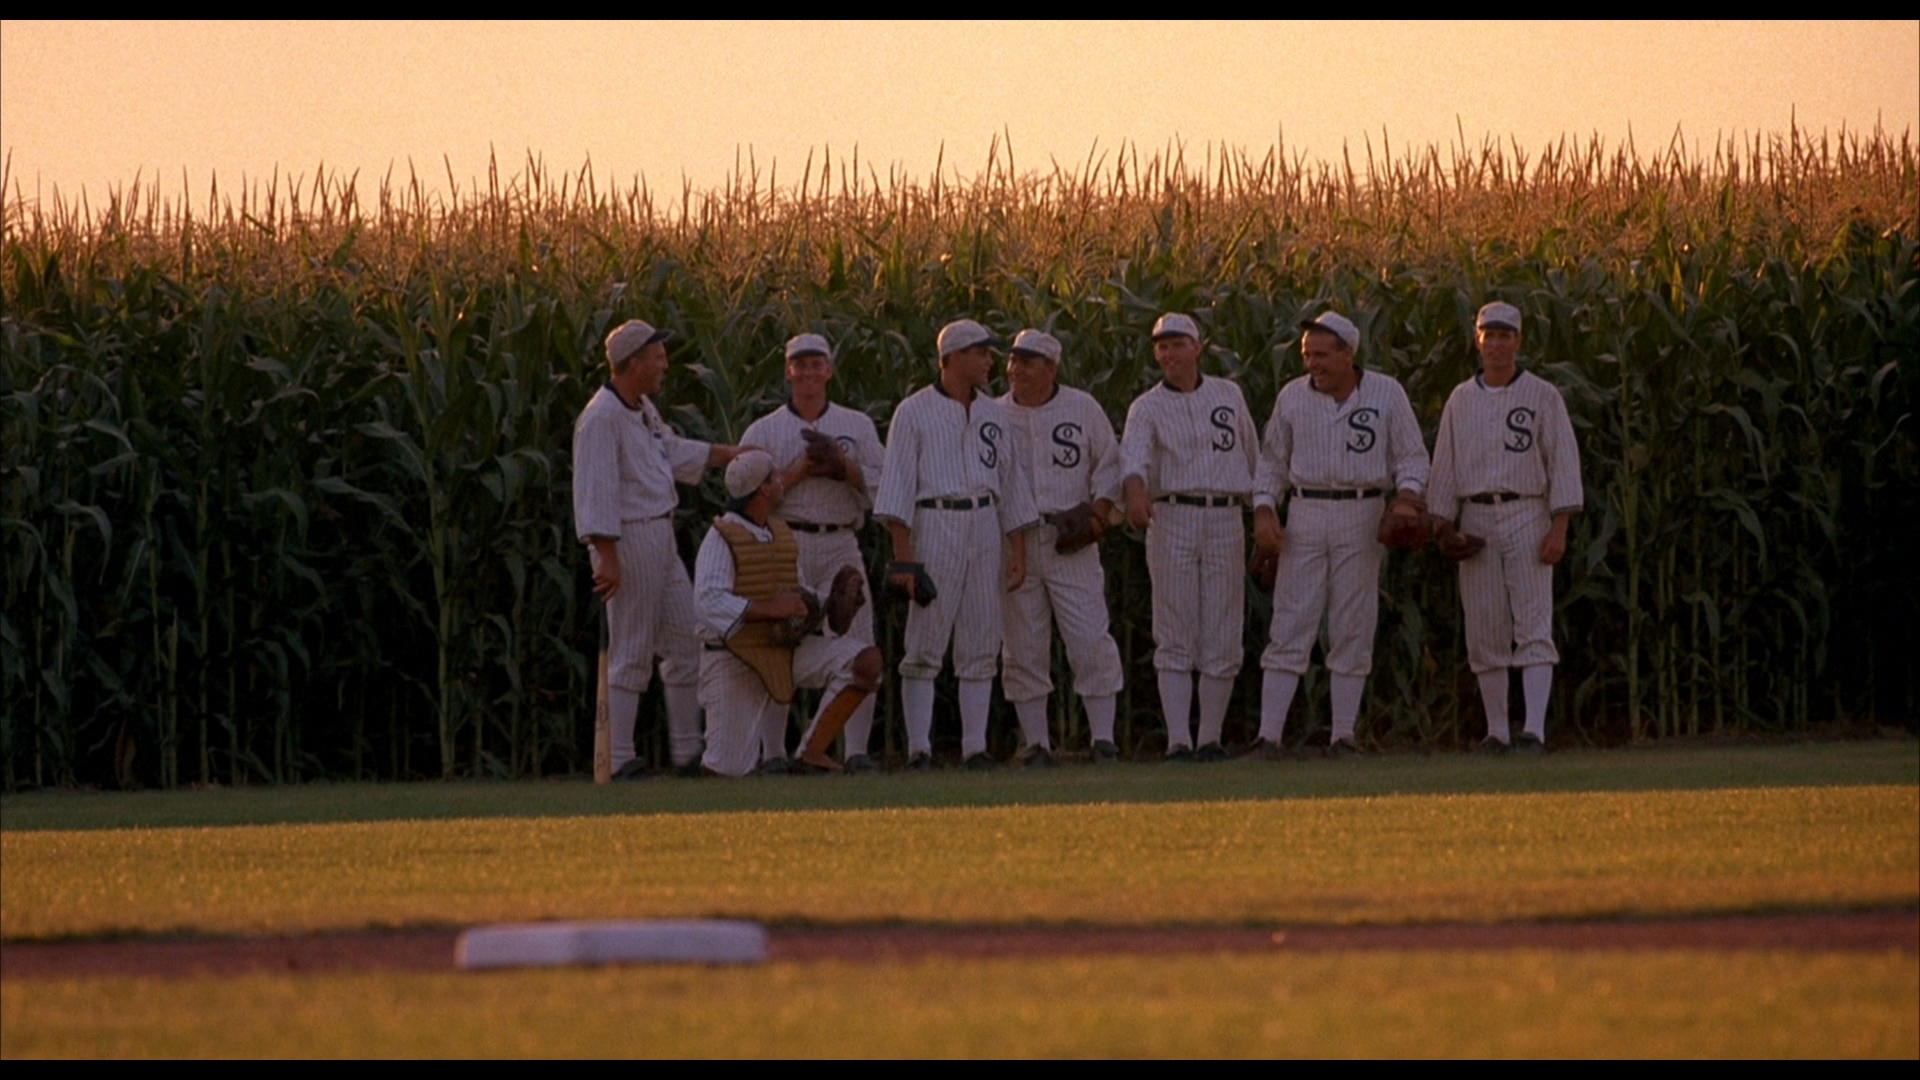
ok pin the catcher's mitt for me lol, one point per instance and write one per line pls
(1075, 527)
(790, 632)
(1453, 543)
(1265, 568)
(844, 600)
(1406, 532)
(824, 456)
(923, 590)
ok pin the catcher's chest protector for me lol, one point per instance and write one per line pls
(760, 572)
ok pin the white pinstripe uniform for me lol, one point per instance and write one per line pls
(625, 462)
(1069, 454)
(1203, 445)
(939, 450)
(735, 699)
(826, 515)
(1340, 462)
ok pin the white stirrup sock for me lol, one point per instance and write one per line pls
(859, 727)
(1537, 682)
(1033, 722)
(1215, 695)
(683, 723)
(916, 703)
(623, 707)
(1176, 701)
(1276, 697)
(773, 731)
(976, 695)
(1346, 704)
(1099, 716)
(1493, 695)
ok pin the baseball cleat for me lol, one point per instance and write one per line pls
(1528, 745)
(861, 763)
(1105, 753)
(921, 762)
(1036, 757)
(982, 762)
(1181, 754)
(1263, 750)
(1210, 753)
(1490, 747)
(775, 766)
(632, 770)
(1342, 748)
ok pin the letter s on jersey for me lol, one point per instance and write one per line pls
(990, 444)
(1222, 419)
(1520, 430)
(1362, 437)
(1066, 437)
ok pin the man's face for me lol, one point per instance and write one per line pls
(1030, 376)
(809, 372)
(1177, 354)
(650, 368)
(1328, 361)
(973, 365)
(1499, 346)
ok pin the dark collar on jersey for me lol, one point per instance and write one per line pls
(942, 391)
(1049, 401)
(822, 416)
(1198, 381)
(1480, 378)
(616, 396)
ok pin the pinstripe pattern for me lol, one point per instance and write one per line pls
(1068, 450)
(1203, 442)
(818, 499)
(1369, 440)
(625, 462)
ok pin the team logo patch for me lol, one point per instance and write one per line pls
(1520, 430)
(1222, 419)
(1361, 437)
(1066, 439)
(990, 444)
(846, 444)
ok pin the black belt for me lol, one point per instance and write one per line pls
(1495, 498)
(810, 527)
(1338, 493)
(1200, 500)
(955, 504)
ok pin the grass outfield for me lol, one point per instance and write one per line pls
(1415, 1004)
(1056, 847)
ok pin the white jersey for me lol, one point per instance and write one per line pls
(1514, 438)
(1067, 448)
(625, 461)
(1370, 440)
(816, 499)
(1202, 442)
(718, 607)
(938, 448)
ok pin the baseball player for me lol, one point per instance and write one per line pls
(1187, 456)
(1506, 469)
(950, 491)
(747, 588)
(625, 462)
(830, 459)
(1340, 442)
(1067, 451)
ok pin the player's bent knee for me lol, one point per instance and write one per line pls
(866, 669)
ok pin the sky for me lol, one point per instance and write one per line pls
(92, 105)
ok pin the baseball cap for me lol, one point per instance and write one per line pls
(1504, 316)
(1175, 324)
(747, 471)
(1037, 343)
(808, 345)
(1338, 325)
(629, 338)
(965, 334)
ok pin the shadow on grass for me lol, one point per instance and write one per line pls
(1836, 764)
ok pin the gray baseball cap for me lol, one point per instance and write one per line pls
(965, 334)
(747, 471)
(1175, 324)
(1332, 322)
(1036, 343)
(808, 345)
(1497, 314)
(629, 338)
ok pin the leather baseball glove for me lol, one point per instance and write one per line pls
(1075, 527)
(845, 599)
(923, 590)
(1265, 568)
(824, 456)
(790, 632)
(1453, 543)
(1403, 530)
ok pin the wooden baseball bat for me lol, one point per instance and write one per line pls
(602, 714)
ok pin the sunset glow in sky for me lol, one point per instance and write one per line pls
(92, 104)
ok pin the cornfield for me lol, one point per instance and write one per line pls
(286, 480)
